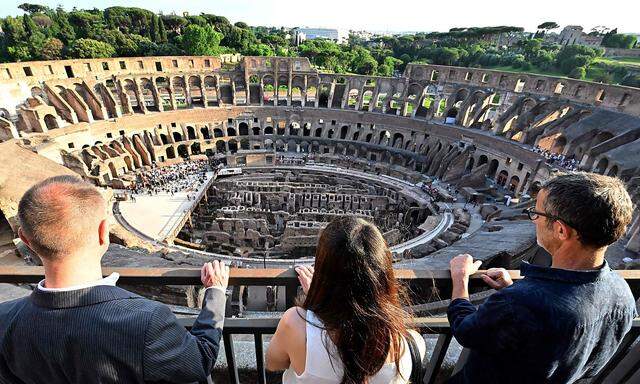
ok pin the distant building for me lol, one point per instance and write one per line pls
(574, 35)
(336, 35)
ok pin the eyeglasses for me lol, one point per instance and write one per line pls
(533, 215)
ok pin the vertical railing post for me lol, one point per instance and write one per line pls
(262, 375)
(437, 357)
(231, 362)
(291, 291)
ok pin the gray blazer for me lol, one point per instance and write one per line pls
(105, 334)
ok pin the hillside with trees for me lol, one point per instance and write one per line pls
(43, 33)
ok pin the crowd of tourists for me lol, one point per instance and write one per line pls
(559, 160)
(556, 324)
(172, 178)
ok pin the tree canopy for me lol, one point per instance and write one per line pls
(42, 33)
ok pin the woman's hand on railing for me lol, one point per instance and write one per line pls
(305, 274)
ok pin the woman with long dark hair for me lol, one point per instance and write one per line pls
(351, 328)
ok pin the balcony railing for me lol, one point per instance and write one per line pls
(624, 366)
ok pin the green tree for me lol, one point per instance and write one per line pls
(33, 8)
(362, 62)
(199, 40)
(66, 32)
(162, 31)
(89, 48)
(388, 66)
(578, 73)
(52, 49)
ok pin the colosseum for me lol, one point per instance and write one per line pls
(248, 158)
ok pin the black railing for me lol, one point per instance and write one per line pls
(623, 367)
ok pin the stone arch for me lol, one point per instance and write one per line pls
(217, 132)
(268, 130)
(493, 168)
(177, 136)
(502, 178)
(183, 151)
(601, 166)
(244, 129)
(398, 140)
(191, 133)
(50, 121)
(513, 183)
(233, 146)
(195, 149)
(205, 133)
(164, 139)
(171, 153)
(343, 132)
(231, 131)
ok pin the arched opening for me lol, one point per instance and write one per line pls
(601, 166)
(220, 147)
(171, 154)
(502, 178)
(294, 128)
(256, 131)
(177, 137)
(191, 133)
(164, 139)
(493, 168)
(343, 132)
(51, 122)
(513, 183)
(231, 131)
(205, 133)
(217, 132)
(183, 151)
(398, 140)
(244, 144)
(233, 146)
(613, 171)
(268, 131)
(482, 160)
(195, 149)
(318, 132)
(244, 129)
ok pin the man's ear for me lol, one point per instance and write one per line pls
(103, 232)
(24, 239)
(563, 230)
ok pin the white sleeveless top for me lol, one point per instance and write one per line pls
(318, 362)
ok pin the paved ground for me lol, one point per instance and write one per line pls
(156, 216)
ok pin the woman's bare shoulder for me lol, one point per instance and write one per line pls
(294, 318)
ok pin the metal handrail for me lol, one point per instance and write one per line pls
(620, 369)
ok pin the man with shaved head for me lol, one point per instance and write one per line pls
(78, 327)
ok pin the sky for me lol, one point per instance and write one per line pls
(375, 15)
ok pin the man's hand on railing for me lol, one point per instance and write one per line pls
(305, 274)
(215, 274)
(462, 266)
(497, 278)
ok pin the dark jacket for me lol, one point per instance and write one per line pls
(553, 326)
(105, 334)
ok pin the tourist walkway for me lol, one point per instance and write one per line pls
(159, 216)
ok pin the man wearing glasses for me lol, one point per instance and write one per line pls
(560, 323)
